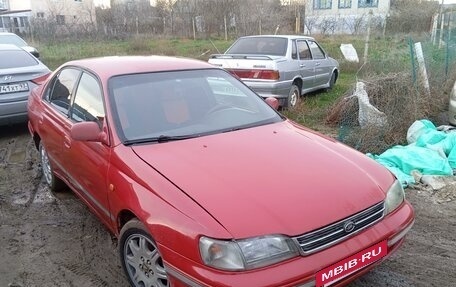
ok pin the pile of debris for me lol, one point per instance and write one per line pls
(374, 116)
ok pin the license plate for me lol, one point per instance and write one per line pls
(13, 88)
(351, 264)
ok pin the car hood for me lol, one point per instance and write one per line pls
(273, 179)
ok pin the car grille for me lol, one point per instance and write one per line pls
(324, 237)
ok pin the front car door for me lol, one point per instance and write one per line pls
(89, 161)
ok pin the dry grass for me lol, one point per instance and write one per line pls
(401, 101)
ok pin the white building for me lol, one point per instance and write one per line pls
(343, 16)
(15, 15)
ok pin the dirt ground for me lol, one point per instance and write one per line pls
(54, 240)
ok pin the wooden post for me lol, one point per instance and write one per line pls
(259, 26)
(194, 28)
(384, 25)
(137, 26)
(366, 44)
(226, 28)
(298, 22)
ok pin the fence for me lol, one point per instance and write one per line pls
(397, 94)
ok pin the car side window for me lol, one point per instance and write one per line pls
(62, 87)
(294, 51)
(317, 52)
(303, 50)
(88, 100)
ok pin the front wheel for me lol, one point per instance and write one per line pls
(140, 257)
(293, 97)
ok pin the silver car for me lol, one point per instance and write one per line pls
(19, 73)
(13, 39)
(284, 67)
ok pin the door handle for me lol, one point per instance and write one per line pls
(317, 64)
(302, 66)
(67, 142)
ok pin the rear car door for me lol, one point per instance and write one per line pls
(322, 65)
(89, 160)
(306, 65)
(53, 124)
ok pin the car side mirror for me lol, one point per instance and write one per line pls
(273, 103)
(87, 131)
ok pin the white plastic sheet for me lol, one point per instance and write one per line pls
(349, 52)
(368, 115)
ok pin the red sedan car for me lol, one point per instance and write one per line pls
(205, 184)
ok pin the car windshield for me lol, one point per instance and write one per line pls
(12, 39)
(165, 106)
(16, 59)
(259, 46)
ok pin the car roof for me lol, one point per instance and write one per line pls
(9, 47)
(107, 67)
(291, 37)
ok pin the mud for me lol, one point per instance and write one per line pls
(54, 240)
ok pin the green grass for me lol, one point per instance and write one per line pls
(55, 55)
(313, 108)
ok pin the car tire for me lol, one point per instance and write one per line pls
(293, 97)
(332, 82)
(140, 257)
(54, 183)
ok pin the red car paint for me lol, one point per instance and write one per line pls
(279, 178)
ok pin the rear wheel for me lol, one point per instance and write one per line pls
(332, 81)
(140, 257)
(293, 97)
(55, 183)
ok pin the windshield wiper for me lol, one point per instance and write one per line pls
(248, 126)
(159, 139)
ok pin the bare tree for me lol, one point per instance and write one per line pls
(328, 25)
(311, 23)
(412, 15)
(354, 24)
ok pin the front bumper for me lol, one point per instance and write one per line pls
(299, 271)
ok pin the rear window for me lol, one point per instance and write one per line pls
(260, 46)
(12, 39)
(16, 59)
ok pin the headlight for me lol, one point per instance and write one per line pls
(246, 253)
(394, 197)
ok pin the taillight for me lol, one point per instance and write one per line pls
(257, 74)
(41, 79)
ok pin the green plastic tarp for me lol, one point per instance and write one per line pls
(430, 152)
